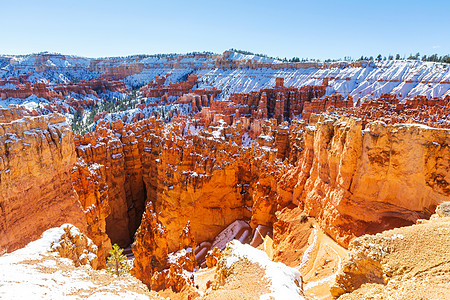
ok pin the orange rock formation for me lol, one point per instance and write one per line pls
(157, 88)
(90, 184)
(150, 247)
(358, 180)
(405, 263)
(117, 150)
(280, 102)
(326, 103)
(36, 156)
(433, 112)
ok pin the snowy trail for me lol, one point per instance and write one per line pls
(322, 252)
(330, 278)
(306, 255)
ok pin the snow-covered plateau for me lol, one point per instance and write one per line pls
(244, 73)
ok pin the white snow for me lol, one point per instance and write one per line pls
(174, 256)
(308, 250)
(283, 280)
(246, 140)
(228, 234)
(22, 275)
(31, 102)
(192, 129)
(267, 138)
(396, 236)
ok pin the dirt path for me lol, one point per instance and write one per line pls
(319, 265)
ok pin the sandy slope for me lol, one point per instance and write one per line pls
(411, 262)
(301, 244)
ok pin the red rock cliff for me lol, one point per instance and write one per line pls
(36, 193)
(117, 149)
(90, 184)
(357, 180)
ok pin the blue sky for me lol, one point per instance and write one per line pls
(306, 29)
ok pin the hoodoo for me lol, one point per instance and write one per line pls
(225, 175)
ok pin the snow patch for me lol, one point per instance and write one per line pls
(35, 273)
(308, 251)
(284, 281)
(228, 234)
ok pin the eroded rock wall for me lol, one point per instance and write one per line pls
(36, 193)
(116, 148)
(358, 180)
(90, 184)
(209, 176)
(192, 179)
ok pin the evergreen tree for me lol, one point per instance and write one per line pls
(117, 262)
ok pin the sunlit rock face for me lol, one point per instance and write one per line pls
(357, 180)
(36, 192)
(117, 150)
(90, 184)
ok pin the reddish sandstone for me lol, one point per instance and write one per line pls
(36, 157)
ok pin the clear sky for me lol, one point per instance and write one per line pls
(306, 29)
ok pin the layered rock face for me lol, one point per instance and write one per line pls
(280, 102)
(36, 158)
(117, 150)
(12, 113)
(157, 88)
(90, 184)
(335, 101)
(150, 247)
(216, 176)
(42, 90)
(357, 180)
(190, 180)
(388, 108)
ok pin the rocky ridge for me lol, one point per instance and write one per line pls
(408, 263)
(44, 184)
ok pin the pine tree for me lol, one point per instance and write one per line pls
(117, 262)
